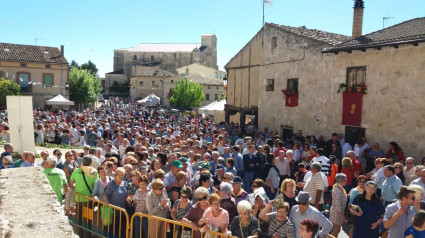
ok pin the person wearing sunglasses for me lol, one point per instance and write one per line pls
(180, 208)
(195, 213)
(361, 182)
(7, 162)
(305, 210)
(158, 205)
(399, 215)
(368, 212)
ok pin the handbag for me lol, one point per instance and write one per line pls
(87, 210)
(107, 215)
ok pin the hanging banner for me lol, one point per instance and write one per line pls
(352, 109)
(291, 101)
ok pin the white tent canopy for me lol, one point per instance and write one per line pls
(212, 108)
(59, 100)
(151, 100)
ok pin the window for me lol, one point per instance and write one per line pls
(153, 83)
(270, 85)
(209, 87)
(23, 79)
(135, 57)
(292, 85)
(48, 80)
(152, 58)
(217, 97)
(356, 75)
(140, 83)
(274, 42)
(23, 65)
(207, 96)
(47, 66)
(1, 74)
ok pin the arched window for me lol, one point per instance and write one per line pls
(152, 58)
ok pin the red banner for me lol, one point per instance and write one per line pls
(291, 101)
(352, 109)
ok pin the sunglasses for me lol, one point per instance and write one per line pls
(225, 178)
(254, 186)
(183, 196)
(6, 163)
(160, 188)
(59, 154)
(204, 198)
(134, 164)
(303, 204)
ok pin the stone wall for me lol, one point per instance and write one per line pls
(393, 108)
(29, 207)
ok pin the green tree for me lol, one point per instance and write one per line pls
(7, 88)
(90, 66)
(73, 64)
(187, 94)
(84, 86)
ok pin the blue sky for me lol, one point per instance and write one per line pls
(92, 29)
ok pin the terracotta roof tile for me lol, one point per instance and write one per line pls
(323, 36)
(203, 80)
(411, 31)
(31, 53)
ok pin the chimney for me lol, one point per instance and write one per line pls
(358, 18)
(62, 51)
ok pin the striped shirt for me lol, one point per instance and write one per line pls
(315, 183)
(284, 229)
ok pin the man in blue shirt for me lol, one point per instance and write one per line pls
(237, 157)
(398, 215)
(390, 186)
(251, 164)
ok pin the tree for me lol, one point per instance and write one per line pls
(187, 94)
(7, 88)
(73, 64)
(84, 86)
(90, 66)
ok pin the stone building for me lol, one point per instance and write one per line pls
(169, 57)
(312, 64)
(147, 80)
(41, 71)
(212, 88)
(278, 57)
(204, 70)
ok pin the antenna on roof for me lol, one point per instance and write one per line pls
(36, 39)
(384, 19)
(269, 2)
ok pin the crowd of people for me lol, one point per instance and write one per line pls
(231, 179)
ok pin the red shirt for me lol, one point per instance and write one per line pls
(349, 173)
(356, 165)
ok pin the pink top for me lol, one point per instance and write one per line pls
(223, 217)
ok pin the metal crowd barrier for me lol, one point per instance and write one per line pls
(163, 226)
(96, 217)
(112, 221)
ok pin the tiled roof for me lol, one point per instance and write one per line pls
(203, 80)
(163, 48)
(121, 71)
(323, 36)
(31, 53)
(408, 32)
(151, 71)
